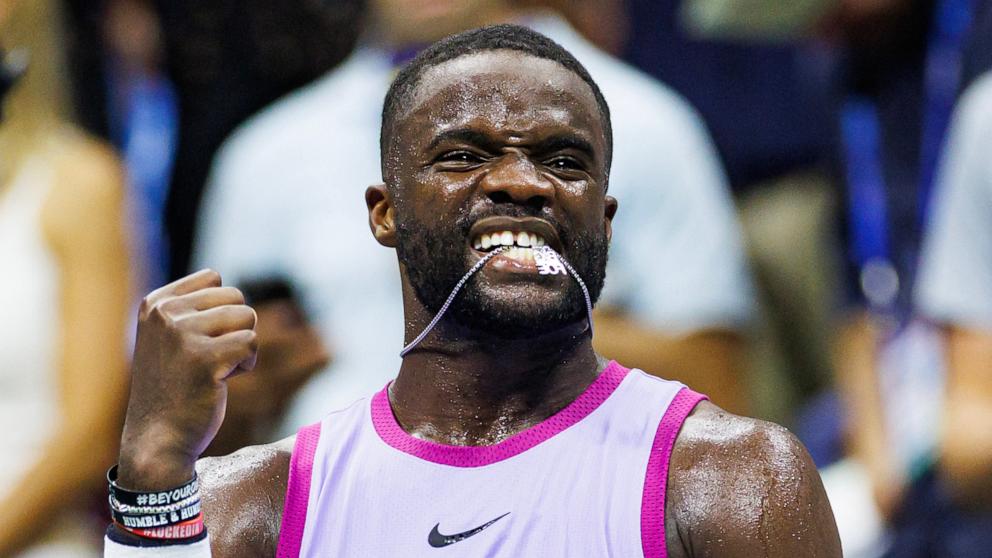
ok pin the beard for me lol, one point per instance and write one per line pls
(436, 258)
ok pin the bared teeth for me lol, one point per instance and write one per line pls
(520, 239)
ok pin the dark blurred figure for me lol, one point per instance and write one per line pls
(762, 101)
(978, 51)
(214, 63)
(290, 351)
(767, 106)
(142, 116)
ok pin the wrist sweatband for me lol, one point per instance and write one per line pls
(173, 514)
(195, 549)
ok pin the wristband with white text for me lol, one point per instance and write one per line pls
(132, 498)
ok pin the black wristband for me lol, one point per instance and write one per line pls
(138, 520)
(157, 498)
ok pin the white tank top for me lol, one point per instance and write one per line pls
(29, 322)
(588, 481)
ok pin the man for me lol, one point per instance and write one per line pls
(504, 432)
(679, 292)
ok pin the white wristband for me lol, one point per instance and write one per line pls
(199, 549)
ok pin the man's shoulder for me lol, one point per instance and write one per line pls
(709, 428)
(740, 487)
(243, 496)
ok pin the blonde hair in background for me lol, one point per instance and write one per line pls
(39, 106)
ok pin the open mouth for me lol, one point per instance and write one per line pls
(519, 239)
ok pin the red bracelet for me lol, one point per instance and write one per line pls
(185, 530)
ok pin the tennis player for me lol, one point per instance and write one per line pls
(504, 433)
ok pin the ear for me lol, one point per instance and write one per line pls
(382, 215)
(611, 210)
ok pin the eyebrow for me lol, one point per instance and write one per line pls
(556, 142)
(465, 135)
(561, 142)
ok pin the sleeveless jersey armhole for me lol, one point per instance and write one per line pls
(656, 478)
(294, 514)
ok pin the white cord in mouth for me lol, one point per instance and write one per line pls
(548, 262)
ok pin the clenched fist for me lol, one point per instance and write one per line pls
(192, 335)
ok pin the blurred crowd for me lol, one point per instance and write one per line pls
(804, 232)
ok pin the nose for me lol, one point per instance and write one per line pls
(515, 179)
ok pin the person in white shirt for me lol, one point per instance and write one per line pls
(278, 203)
(954, 289)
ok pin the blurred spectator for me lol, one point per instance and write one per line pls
(677, 291)
(290, 351)
(64, 295)
(955, 290)
(898, 82)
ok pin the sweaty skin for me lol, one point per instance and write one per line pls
(491, 130)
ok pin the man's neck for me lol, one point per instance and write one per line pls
(478, 390)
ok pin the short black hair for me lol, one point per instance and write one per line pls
(493, 37)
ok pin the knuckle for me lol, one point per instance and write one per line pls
(145, 308)
(158, 313)
(236, 295)
(168, 308)
(212, 276)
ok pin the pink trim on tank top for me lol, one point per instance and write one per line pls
(478, 456)
(656, 477)
(294, 513)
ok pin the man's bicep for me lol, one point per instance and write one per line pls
(800, 519)
(744, 488)
(243, 495)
